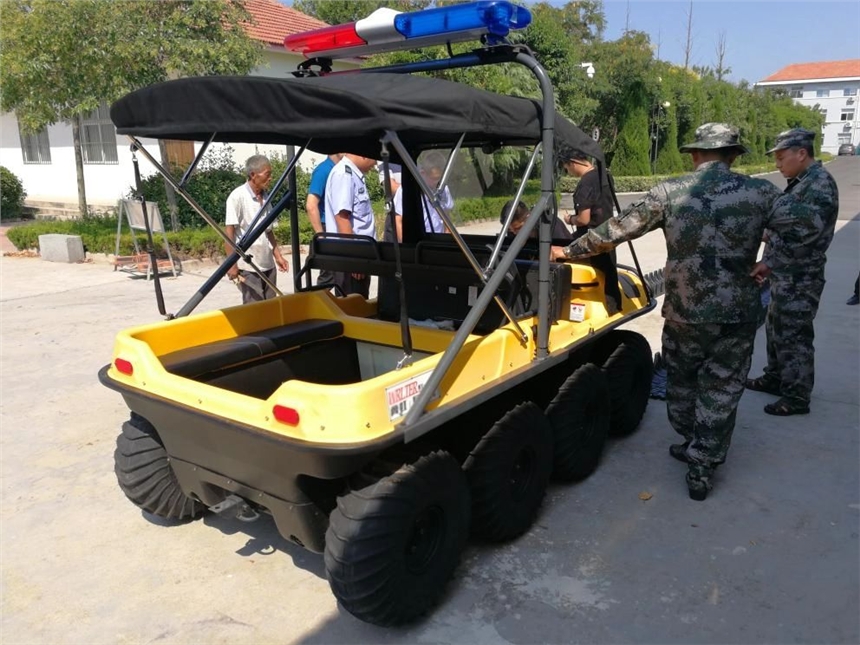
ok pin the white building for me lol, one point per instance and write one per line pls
(45, 162)
(830, 87)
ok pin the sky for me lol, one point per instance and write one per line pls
(762, 36)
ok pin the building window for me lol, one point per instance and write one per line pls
(847, 115)
(822, 94)
(849, 91)
(843, 138)
(35, 147)
(98, 137)
(823, 112)
(795, 92)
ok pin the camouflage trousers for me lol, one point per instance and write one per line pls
(790, 332)
(707, 365)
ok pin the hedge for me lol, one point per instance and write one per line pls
(12, 194)
(98, 232)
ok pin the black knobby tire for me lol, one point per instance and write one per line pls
(625, 358)
(392, 546)
(508, 472)
(579, 415)
(143, 471)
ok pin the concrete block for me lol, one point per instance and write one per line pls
(55, 247)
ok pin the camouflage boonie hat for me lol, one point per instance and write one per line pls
(793, 138)
(712, 136)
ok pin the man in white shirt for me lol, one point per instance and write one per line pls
(243, 204)
(432, 167)
(348, 211)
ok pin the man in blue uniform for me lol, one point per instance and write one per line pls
(315, 203)
(348, 211)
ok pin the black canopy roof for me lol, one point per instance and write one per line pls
(340, 112)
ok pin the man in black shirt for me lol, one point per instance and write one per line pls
(593, 205)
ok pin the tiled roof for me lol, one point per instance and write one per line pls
(273, 21)
(809, 71)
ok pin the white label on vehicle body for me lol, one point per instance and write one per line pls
(473, 295)
(401, 396)
(577, 311)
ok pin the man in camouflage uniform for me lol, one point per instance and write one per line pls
(794, 258)
(713, 220)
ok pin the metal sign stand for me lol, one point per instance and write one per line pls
(139, 263)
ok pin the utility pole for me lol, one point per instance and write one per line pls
(688, 48)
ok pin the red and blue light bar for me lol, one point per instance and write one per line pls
(388, 30)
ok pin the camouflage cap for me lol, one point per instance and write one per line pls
(712, 136)
(794, 138)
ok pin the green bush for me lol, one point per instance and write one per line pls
(12, 194)
(210, 185)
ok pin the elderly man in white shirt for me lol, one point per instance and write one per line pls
(243, 204)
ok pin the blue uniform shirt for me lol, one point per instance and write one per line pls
(346, 191)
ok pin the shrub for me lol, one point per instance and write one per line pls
(210, 185)
(98, 232)
(12, 194)
(633, 145)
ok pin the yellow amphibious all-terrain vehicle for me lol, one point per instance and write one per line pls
(377, 440)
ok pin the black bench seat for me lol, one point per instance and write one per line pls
(212, 357)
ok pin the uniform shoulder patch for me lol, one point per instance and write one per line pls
(347, 170)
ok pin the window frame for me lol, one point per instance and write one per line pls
(849, 91)
(98, 138)
(822, 94)
(35, 147)
(795, 92)
(847, 115)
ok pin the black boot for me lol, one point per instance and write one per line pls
(699, 480)
(679, 451)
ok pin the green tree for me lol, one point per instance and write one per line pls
(336, 12)
(634, 143)
(60, 59)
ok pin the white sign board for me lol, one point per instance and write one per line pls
(401, 396)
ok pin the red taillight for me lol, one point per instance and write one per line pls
(286, 415)
(123, 366)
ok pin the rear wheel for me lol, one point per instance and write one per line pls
(625, 359)
(392, 546)
(579, 415)
(508, 473)
(143, 471)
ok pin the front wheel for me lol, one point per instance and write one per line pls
(144, 474)
(392, 546)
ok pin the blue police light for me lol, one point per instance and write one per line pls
(496, 17)
(387, 30)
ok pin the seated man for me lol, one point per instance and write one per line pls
(559, 230)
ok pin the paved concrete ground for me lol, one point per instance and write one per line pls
(770, 557)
